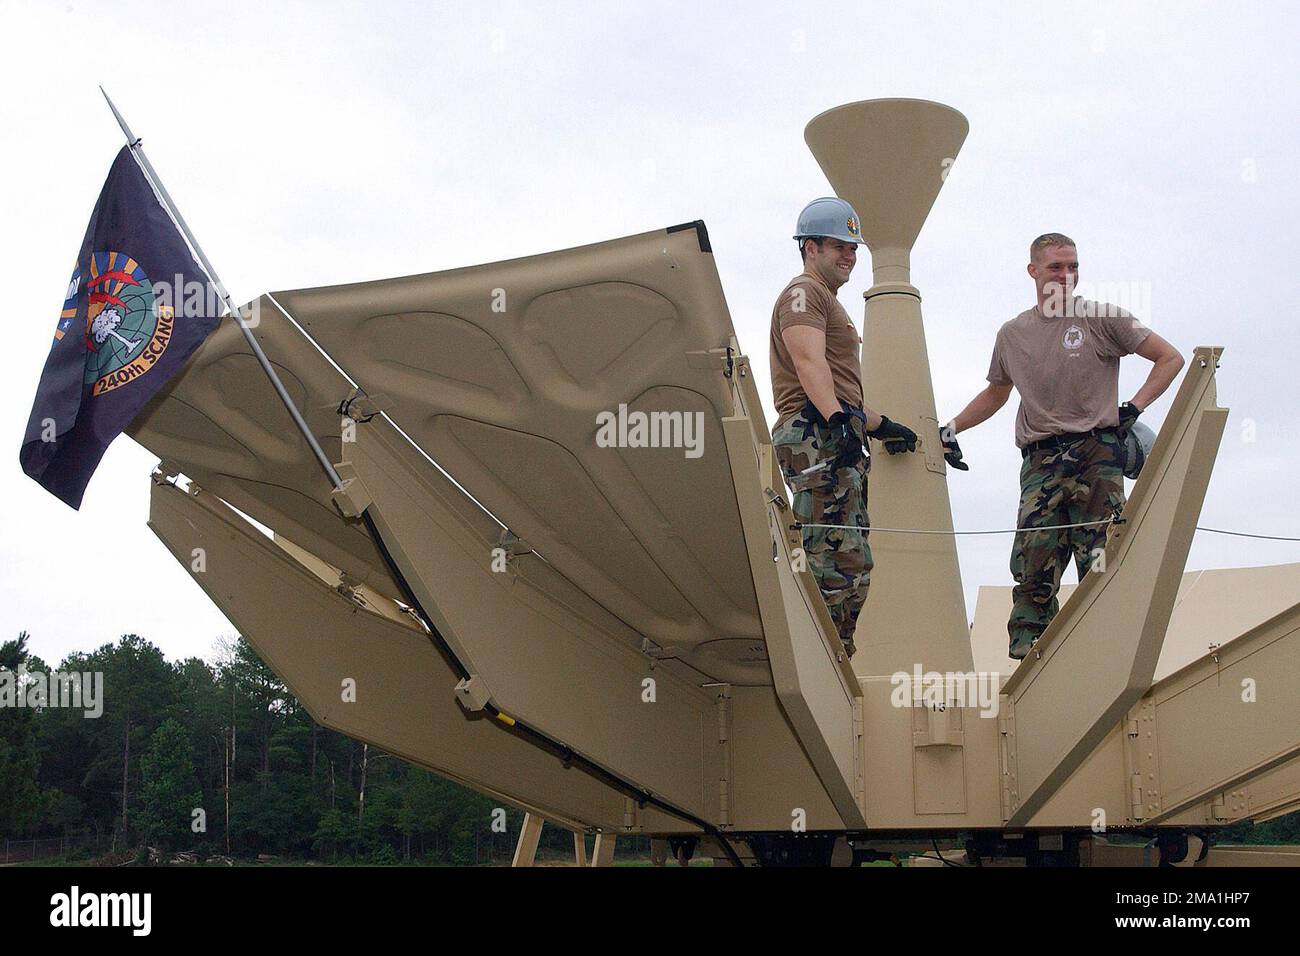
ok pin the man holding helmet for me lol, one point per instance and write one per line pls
(1076, 440)
(822, 424)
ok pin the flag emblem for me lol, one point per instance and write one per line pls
(126, 330)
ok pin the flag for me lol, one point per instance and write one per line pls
(137, 307)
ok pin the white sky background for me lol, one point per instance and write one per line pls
(313, 144)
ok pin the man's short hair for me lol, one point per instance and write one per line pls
(1048, 240)
(803, 253)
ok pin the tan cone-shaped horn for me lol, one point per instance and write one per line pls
(889, 158)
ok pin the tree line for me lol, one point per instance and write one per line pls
(220, 758)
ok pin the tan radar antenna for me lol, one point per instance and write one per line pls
(889, 158)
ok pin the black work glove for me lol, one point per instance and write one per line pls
(895, 437)
(851, 450)
(1128, 414)
(842, 433)
(951, 450)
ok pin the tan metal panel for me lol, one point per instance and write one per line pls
(912, 778)
(313, 638)
(1217, 605)
(1227, 717)
(1096, 794)
(1097, 657)
(1259, 797)
(1202, 755)
(499, 373)
(816, 691)
(532, 657)
(772, 777)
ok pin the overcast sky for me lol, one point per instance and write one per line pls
(314, 144)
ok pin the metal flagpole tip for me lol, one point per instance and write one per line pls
(131, 139)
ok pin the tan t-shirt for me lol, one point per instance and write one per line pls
(808, 301)
(1065, 368)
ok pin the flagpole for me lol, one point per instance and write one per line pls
(137, 151)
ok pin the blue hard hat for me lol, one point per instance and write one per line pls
(831, 217)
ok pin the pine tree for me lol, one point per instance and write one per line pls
(169, 792)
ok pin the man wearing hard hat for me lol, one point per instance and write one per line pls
(1076, 440)
(822, 425)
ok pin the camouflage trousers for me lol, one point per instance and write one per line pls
(839, 558)
(1079, 481)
